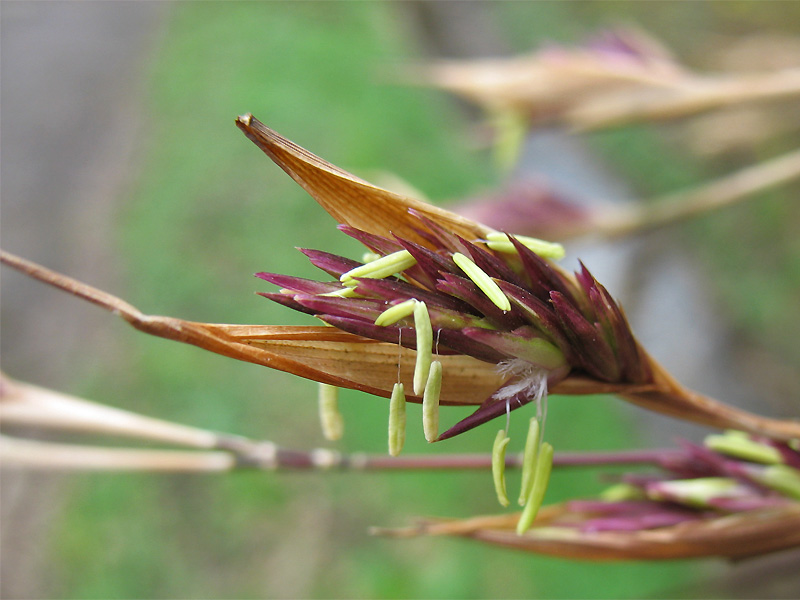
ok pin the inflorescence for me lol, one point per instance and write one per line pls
(500, 300)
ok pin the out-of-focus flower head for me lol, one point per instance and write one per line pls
(736, 496)
(616, 78)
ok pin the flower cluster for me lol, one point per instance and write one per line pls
(500, 300)
(734, 496)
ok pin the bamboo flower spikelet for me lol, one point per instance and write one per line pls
(445, 311)
(715, 499)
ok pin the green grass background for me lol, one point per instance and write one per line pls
(209, 209)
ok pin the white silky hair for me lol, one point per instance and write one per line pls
(528, 379)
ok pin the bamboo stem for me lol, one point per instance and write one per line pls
(689, 97)
(32, 454)
(25, 405)
(267, 456)
(681, 206)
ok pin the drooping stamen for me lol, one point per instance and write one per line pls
(696, 492)
(396, 312)
(369, 257)
(397, 419)
(430, 402)
(329, 415)
(499, 466)
(422, 326)
(501, 242)
(529, 461)
(783, 479)
(483, 281)
(396, 262)
(541, 477)
(739, 445)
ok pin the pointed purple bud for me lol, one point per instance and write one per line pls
(537, 313)
(430, 262)
(790, 457)
(299, 284)
(662, 518)
(491, 409)
(286, 300)
(455, 340)
(615, 328)
(490, 264)
(463, 289)
(394, 289)
(593, 352)
(332, 264)
(391, 334)
(441, 237)
(734, 505)
(634, 366)
(376, 243)
(521, 343)
(584, 278)
(604, 507)
(543, 278)
(356, 308)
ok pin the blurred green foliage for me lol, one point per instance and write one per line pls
(209, 210)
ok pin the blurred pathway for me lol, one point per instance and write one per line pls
(72, 74)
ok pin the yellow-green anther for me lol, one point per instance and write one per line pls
(782, 478)
(390, 264)
(430, 402)
(329, 416)
(394, 313)
(369, 257)
(422, 327)
(695, 492)
(499, 466)
(544, 465)
(741, 446)
(529, 461)
(620, 492)
(499, 242)
(345, 292)
(511, 127)
(397, 419)
(483, 281)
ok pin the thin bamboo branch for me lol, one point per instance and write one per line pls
(31, 454)
(26, 405)
(688, 97)
(267, 456)
(680, 206)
